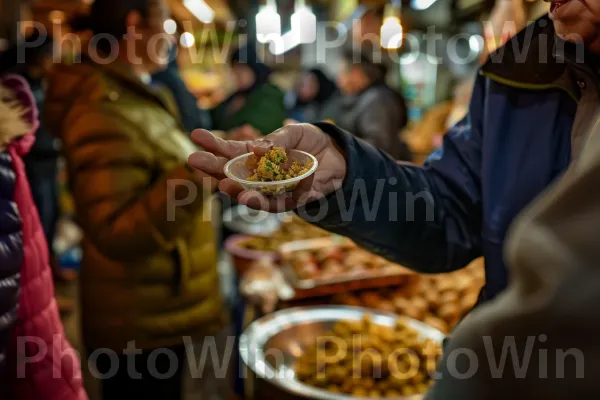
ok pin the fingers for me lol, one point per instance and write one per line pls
(208, 163)
(212, 144)
(230, 188)
(260, 147)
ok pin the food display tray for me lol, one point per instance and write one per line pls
(287, 332)
(369, 279)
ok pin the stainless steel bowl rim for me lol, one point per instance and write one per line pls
(254, 338)
(243, 220)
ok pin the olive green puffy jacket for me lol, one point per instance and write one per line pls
(149, 267)
(263, 109)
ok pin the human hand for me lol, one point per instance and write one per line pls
(305, 137)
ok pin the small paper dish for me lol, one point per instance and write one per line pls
(241, 168)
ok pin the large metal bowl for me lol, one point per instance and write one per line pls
(271, 345)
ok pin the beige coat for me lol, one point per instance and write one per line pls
(552, 305)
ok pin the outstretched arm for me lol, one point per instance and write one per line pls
(427, 218)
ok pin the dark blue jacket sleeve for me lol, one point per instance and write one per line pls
(426, 218)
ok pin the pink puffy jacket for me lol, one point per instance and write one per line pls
(40, 364)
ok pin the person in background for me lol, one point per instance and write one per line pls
(192, 117)
(369, 108)
(27, 305)
(149, 271)
(313, 91)
(257, 107)
(41, 162)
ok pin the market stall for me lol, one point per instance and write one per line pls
(286, 265)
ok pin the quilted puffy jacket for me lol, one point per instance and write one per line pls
(44, 366)
(146, 275)
(11, 255)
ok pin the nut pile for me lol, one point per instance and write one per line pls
(440, 301)
(363, 359)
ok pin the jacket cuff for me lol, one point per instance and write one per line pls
(352, 149)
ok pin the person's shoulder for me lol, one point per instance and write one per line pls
(81, 80)
(271, 89)
(378, 95)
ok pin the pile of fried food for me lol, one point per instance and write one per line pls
(291, 230)
(363, 359)
(271, 167)
(335, 261)
(440, 301)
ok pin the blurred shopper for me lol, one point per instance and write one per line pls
(369, 108)
(312, 93)
(46, 367)
(257, 107)
(149, 277)
(32, 59)
(192, 117)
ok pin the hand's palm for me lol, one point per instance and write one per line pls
(331, 168)
(305, 137)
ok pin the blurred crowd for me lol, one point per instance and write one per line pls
(123, 128)
(149, 270)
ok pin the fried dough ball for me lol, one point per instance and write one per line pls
(370, 368)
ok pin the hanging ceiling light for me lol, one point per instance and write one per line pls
(421, 5)
(268, 22)
(304, 23)
(287, 42)
(201, 10)
(187, 40)
(391, 30)
(170, 26)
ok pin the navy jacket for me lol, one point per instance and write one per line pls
(11, 254)
(514, 142)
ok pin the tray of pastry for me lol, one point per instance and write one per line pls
(336, 263)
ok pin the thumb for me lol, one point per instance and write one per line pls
(287, 137)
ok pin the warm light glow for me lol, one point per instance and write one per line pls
(170, 26)
(304, 24)
(268, 24)
(201, 10)
(391, 33)
(187, 39)
(56, 16)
